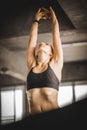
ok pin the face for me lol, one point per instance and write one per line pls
(43, 47)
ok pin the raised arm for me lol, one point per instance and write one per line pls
(40, 14)
(58, 51)
(32, 41)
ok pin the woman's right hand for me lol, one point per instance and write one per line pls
(42, 13)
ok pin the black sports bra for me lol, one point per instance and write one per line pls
(44, 79)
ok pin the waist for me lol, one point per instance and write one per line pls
(46, 93)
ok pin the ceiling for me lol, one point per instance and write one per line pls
(16, 17)
(15, 22)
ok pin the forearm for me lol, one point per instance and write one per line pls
(34, 29)
(33, 34)
(56, 39)
(55, 32)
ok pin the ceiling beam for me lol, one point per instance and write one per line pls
(67, 37)
(76, 11)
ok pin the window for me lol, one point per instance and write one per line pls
(12, 102)
(65, 96)
(71, 93)
(80, 92)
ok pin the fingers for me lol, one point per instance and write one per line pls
(51, 9)
(39, 10)
(44, 10)
(44, 13)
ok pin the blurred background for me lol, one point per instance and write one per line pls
(15, 21)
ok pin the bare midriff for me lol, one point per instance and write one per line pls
(42, 99)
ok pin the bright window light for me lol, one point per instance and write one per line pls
(7, 105)
(80, 92)
(11, 105)
(65, 95)
(18, 104)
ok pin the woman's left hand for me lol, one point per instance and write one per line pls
(42, 13)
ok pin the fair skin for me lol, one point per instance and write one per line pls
(38, 58)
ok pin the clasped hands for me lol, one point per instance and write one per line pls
(43, 13)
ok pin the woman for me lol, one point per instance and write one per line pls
(44, 65)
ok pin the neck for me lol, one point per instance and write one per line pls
(42, 60)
